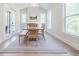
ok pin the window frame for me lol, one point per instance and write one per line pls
(21, 23)
(65, 25)
(23, 18)
(42, 19)
(49, 12)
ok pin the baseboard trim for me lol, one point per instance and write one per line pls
(74, 48)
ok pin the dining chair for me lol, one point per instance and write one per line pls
(32, 24)
(32, 34)
(42, 31)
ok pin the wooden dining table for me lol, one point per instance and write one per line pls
(25, 31)
(33, 28)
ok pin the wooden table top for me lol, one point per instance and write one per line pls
(32, 28)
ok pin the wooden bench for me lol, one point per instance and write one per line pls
(23, 34)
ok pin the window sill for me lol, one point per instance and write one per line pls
(72, 34)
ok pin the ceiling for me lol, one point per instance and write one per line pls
(26, 5)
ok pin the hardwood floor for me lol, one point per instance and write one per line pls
(49, 47)
(31, 54)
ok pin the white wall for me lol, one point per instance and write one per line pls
(57, 27)
(1, 24)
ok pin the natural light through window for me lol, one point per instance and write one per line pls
(49, 20)
(23, 20)
(42, 17)
(13, 22)
(72, 18)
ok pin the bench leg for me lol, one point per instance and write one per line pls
(19, 39)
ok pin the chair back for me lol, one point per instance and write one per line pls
(32, 25)
(32, 33)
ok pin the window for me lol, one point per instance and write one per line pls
(23, 18)
(42, 18)
(7, 17)
(72, 18)
(13, 22)
(49, 20)
(10, 22)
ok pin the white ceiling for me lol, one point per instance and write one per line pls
(26, 5)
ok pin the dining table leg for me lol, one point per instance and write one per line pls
(19, 39)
